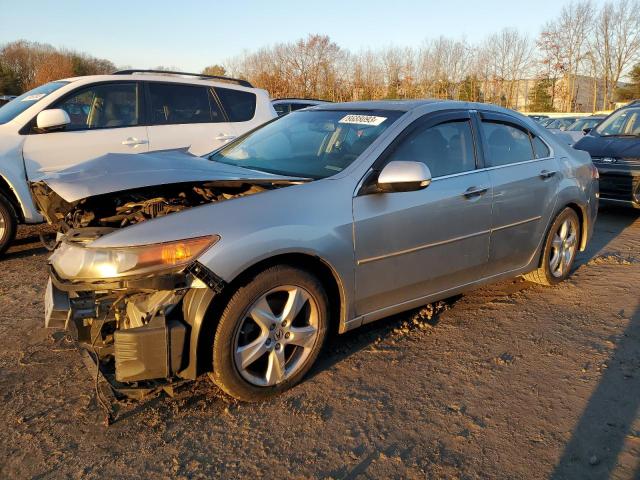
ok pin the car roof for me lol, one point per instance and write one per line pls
(157, 77)
(409, 105)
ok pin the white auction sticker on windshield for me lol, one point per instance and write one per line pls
(33, 98)
(362, 120)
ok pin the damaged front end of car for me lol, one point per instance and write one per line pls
(127, 307)
(138, 308)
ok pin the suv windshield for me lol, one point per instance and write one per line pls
(18, 105)
(621, 123)
(311, 144)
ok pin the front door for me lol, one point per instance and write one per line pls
(105, 118)
(413, 244)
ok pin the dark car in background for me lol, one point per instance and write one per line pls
(4, 99)
(284, 106)
(538, 118)
(614, 146)
(579, 128)
(560, 123)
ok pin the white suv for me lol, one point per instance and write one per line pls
(66, 122)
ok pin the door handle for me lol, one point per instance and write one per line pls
(544, 174)
(131, 141)
(475, 191)
(224, 137)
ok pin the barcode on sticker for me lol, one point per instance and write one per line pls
(362, 119)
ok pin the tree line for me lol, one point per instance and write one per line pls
(586, 41)
(25, 65)
(587, 46)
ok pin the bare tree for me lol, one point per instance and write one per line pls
(507, 59)
(616, 43)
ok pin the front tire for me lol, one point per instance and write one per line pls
(8, 223)
(270, 333)
(560, 249)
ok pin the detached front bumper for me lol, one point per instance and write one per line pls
(138, 329)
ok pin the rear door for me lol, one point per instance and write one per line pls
(105, 118)
(413, 244)
(524, 175)
(186, 116)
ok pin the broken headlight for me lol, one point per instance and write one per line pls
(74, 262)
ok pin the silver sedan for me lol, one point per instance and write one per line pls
(240, 263)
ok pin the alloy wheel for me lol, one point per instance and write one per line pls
(563, 247)
(276, 335)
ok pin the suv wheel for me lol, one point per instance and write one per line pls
(270, 333)
(560, 248)
(8, 223)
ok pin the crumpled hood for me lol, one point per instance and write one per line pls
(616, 147)
(116, 172)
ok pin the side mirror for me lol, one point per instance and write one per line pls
(54, 119)
(586, 130)
(398, 176)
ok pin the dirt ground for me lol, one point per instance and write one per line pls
(509, 381)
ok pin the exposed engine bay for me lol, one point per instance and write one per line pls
(121, 209)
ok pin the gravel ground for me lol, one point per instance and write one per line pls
(508, 381)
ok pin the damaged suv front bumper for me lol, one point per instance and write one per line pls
(139, 330)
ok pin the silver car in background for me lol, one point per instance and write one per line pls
(328, 218)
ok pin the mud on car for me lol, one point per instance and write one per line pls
(238, 264)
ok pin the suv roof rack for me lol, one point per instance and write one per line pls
(237, 81)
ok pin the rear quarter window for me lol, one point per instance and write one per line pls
(540, 149)
(239, 105)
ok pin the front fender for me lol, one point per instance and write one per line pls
(14, 177)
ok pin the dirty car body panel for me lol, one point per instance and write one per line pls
(380, 252)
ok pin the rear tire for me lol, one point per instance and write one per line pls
(270, 333)
(560, 249)
(8, 223)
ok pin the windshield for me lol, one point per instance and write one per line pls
(311, 144)
(622, 122)
(18, 105)
(583, 123)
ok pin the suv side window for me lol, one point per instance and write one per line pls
(446, 148)
(102, 106)
(175, 103)
(239, 105)
(506, 143)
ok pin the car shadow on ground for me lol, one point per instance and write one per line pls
(599, 436)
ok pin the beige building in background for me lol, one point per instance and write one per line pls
(588, 94)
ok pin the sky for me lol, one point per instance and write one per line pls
(190, 35)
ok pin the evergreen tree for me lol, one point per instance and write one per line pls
(632, 90)
(540, 99)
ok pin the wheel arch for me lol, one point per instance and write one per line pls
(582, 218)
(202, 307)
(7, 190)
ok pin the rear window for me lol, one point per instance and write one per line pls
(239, 105)
(179, 104)
(18, 105)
